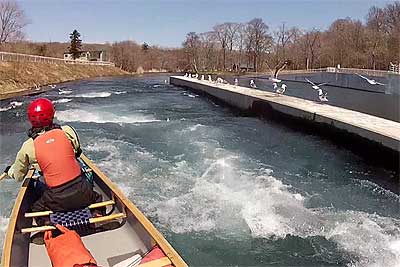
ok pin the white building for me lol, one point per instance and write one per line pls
(87, 56)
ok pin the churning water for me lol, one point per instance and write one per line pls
(225, 190)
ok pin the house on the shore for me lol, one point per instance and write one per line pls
(87, 56)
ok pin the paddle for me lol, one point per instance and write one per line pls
(3, 175)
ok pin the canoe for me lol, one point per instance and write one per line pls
(133, 234)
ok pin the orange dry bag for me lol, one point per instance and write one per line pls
(67, 249)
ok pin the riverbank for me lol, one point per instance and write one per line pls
(21, 78)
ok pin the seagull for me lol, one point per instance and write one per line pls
(209, 78)
(280, 90)
(252, 84)
(278, 68)
(322, 95)
(185, 74)
(236, 82)
(196, 76)
(202, 77)
(315, 86)
(219, 80)
(370, 81)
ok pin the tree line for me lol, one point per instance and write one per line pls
(252, 45)
(233, 46)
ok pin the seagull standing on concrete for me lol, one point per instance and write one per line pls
(252, 84)
(236, 82)
(202, 77)
(185, 74)
(280, 90)
(322, 95)
(370, 81)
(219, 80)
(209, 78)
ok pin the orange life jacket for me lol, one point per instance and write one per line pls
(67, 249)
(56, 158)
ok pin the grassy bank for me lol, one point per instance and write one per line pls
(17, 78)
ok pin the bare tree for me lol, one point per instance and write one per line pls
(192, 46)
(208, 58)
(222, 36)
(12, 21)
(284, 37)
(258, 40)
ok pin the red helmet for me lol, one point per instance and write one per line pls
(41, 112)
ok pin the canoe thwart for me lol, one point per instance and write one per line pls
(38, 229)
(48, 212)
(91, 220)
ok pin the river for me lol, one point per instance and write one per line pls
(225, 190)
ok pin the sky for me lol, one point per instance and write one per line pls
(166, 22)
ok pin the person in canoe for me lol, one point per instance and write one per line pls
(53, 149)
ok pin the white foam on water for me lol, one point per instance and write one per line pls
(3, 228)
(12, 105)
(377, 189)
(373, 240)
(94, 95)
(120, 92)
(195, 127)
(62, 100)
(190, 95)
(16, 104)
(223, 196)
(6, 108)
(156, 85)
(64, 92)
(102, 117)
(226, 199)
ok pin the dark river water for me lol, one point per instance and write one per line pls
(225, 190)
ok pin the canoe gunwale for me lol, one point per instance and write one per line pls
(8, 239)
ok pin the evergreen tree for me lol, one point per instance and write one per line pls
(76, 44)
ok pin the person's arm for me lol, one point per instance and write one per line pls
(73, 137)
(20, 167)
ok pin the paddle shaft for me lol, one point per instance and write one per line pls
(3, 175)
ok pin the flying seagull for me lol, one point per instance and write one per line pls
(278, 69)
(315, 86)
(322, 95)
(370, 81)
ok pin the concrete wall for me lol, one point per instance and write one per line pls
(392, 81)
(311, 113)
